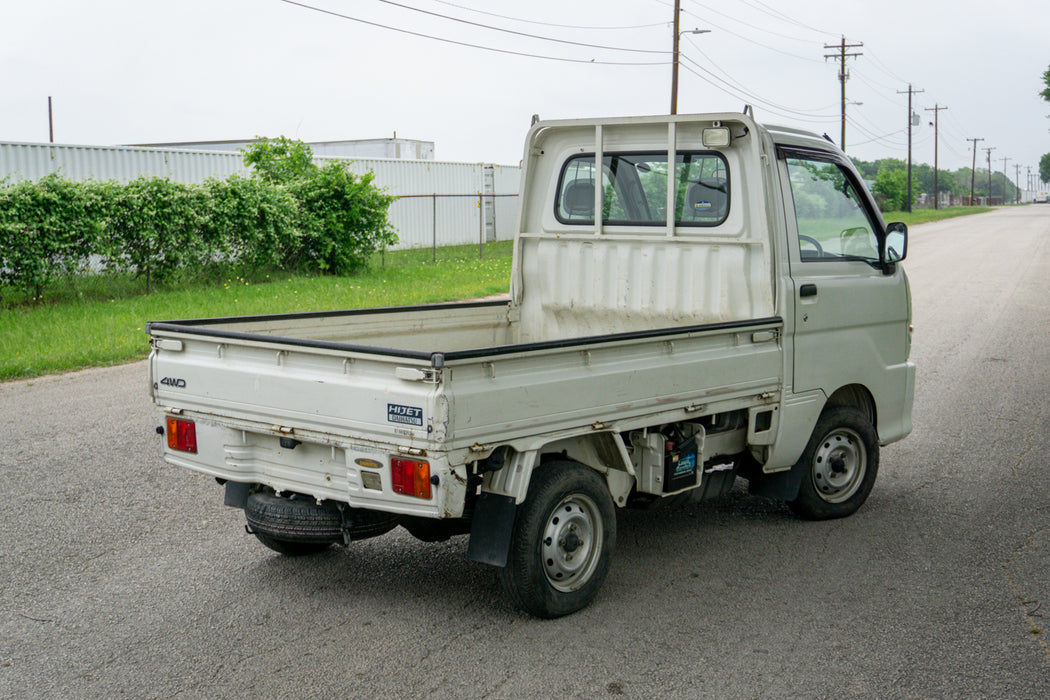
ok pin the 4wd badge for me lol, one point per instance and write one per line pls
(405, 415)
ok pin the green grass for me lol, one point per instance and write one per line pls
(76, 326)
(923, 216)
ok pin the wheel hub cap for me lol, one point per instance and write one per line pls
(839, 465)
(572, 541)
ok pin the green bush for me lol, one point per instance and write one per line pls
(252, 222)
(48, 229)
(155, 228)
(280, 161)
(342, 218)
(891, 190)
(290, 215)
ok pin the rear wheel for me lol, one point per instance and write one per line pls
(839, 465)
(563, 538)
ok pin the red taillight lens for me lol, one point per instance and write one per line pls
(182, 435)
(411, 477)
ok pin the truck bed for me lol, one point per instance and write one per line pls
(338, 372)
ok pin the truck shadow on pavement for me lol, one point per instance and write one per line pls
(397, 571)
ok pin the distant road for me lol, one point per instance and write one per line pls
(120, 574)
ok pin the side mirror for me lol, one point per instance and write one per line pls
(896, 242)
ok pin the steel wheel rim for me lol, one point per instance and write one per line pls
(572, 543)
(839, 465)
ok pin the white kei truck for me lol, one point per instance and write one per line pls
(738, 309)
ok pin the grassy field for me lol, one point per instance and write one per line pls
(922, 216)
(99, 320)
(76, 326)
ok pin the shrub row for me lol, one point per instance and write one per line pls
(327, 221)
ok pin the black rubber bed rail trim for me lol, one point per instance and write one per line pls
(438, 358)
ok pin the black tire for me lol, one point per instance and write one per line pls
(563, 538)
(293, 526)
(298, 525)
(839, 465)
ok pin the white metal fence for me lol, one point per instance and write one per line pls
(441, 203)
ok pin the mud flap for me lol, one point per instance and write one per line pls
(236, 495)
(491, 529)
(782, 486)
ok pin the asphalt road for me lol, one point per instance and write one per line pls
(122, 575)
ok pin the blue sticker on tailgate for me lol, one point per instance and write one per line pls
(406, 415)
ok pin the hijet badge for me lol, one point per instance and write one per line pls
(404, 415)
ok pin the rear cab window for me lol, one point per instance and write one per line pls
(634, 189)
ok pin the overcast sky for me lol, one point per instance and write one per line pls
(136, 71)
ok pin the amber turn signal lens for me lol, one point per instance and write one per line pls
(182, 435)
(410, 477)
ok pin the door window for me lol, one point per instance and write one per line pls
(832, 222)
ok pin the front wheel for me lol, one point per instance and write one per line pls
(839, 465)
(563, 538)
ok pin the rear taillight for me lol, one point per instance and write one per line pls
(182, 435)
(410, 477)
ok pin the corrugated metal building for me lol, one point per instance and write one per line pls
(441, 203)
(398, 149)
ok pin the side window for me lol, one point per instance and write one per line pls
(635, 189)
(832, 222)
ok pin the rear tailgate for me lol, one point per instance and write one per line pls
(308, 390)
(323, 422)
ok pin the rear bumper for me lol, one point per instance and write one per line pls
(355, 473)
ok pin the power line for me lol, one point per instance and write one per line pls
(707, 20)
(773, 12)
(749, 25)
(747, 98)
(884, 68)
(755, 98)
(549, 24)
(870, 82)
(737, 84)
(473, 46)
(516, 33)
(884, 139)
(879, 138)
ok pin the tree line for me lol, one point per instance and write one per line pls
(888, 180)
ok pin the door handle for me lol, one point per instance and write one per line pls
(807, 290)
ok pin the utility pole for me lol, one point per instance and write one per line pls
(50, 121)
(1005, 177)
(843, 75)
(936, 109)
(973, 170)
(674, 70)
(674, 62)
(911, 91)
(989, 152)
(1017, 181)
